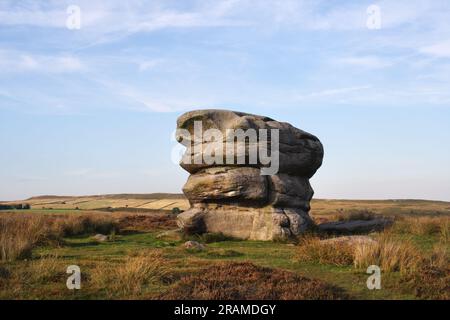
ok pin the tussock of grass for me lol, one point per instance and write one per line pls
(85, 224)
(312, 249)
(389, 254)
(427, 273)
(129, 278)
(32, 276)
(444, 232)
(46, 269)
(422, 226)
(19, 234)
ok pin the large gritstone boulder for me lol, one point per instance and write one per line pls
(249, 174)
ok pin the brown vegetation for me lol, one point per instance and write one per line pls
(388, 253)
(425, 226)
(148, 222)
(246, 281)
(19, 233)
(356, 215)
(427, 273)
(130, 277)
(312, 249)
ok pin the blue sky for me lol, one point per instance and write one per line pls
(92, 111)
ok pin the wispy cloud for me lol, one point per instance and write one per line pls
(371, 62)
(145, 101)
(17, 61)
(149, 64)
(150, 73)
(331, 92)
(438, 50)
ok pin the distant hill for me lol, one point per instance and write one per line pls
(168, 201)
(116, 196)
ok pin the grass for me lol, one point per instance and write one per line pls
(140, 263)
(425, 226)
(389, 254)
(130, 278)
(427, 274)
(313, 249)
(20, 233)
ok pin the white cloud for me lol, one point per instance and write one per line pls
(156, 104)
(439, 50)
(331, 92)
(145, 101)
(371, 62)
(34, 18)
(16, 61)
(108, 21)
(149, 64)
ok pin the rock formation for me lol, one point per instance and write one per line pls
(237, 198)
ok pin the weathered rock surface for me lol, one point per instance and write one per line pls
(301, 153)
(100, 237)
(194, 245)
(226, 183)
(234, 198)
(290, 191)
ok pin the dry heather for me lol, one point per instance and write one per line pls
(356, 215)
(128, 279)
(20, 233)
(246, 281)
(432, 281)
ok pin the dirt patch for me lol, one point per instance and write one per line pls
(246, 281)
